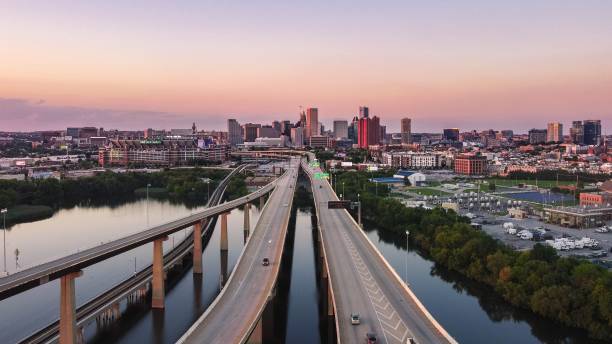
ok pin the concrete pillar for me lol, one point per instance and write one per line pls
(256, 336)
(262, 201)
(247, 221)
(67, 323)
(197, 248)
(223, 277)
(224, 231)
(158, 293)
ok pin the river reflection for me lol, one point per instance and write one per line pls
(471, 312)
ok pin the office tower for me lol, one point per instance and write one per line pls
(591, 132)
(297, 137)
(312, 122)
(537, 136)
(250, 131)
(341, 129)
(74, 132)
(285, 128)
(362, 132)
(353, 130)
(267, 131)
(507, 134)
(577, 132)
(451, 134)
(406, 128)
(364, 112)
(382, 134)
(276, 125)
(374, 131)
(234, 132)
(554, 132)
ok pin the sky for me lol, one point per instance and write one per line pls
(165, 64)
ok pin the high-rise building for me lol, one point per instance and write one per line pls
(285, 128)
(74, 132)
(276, 125)
(297, 137)
(249, 131)
(312, 122)
(267, 131)
(537, 136)
(554, 132)
(374, 133)
(363, 132)
(451, 134)
(406, 131)
(341, 129)
(234, 132)
(364, 112)
(507, 134)
(353, 130)
(577, 132)
(592, 131)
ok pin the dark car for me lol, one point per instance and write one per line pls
(371, 337)
(266, 262)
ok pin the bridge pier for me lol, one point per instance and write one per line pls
(197, 248)
(262, 201)
(67, 322)
(223, 272)
(223, 242)
(158, 293)
(247, 221)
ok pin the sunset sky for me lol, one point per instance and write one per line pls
(165, 64)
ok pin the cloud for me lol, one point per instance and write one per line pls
(31, 115)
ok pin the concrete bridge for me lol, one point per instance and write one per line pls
(69, 268)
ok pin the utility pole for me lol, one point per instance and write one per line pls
(3, 211)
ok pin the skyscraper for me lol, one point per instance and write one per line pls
(363, 132)
(577, 132)
(406, 131)
(250, 131)
(353, 130)
(312, 122)
(592, 131)
(364, 111)
(554, 133)
(341, 129)
(537, 136)
(234, 132)
(374, 131)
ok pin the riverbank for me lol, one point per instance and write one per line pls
(574, 292)
(27, 213)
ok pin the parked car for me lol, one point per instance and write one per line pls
(355, 320)
(266, 262)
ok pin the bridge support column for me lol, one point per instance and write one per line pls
(223, 242)
(247, 221)
(158, 292)
(67, 323)
(262, 201)
(197, 248)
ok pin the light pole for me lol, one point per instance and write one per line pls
(359, 210)
(3, 211)
(147, 209)
(343, 193)
(406, 265)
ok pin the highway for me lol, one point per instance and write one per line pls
(92, 308)
(235, 312)
(32, 277)
(363, 282)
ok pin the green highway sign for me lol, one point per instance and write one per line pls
(321, 175)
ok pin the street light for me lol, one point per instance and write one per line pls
(406, 265)
(147, 209)
(343, 189)
(3, 211)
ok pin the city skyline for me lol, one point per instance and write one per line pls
(442, 65)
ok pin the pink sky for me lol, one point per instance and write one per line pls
(158, 64)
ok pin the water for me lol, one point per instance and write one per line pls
(84, 227)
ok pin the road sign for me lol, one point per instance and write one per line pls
(338, 204)
(321, 175)
(314, 164)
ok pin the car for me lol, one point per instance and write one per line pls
(320, 186)
(355, 320)
(371, 338)
(266, 262)
(411, 340)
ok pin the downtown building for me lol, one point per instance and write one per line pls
(406, 131)
(234, 132)
(413, 160)
(470, 165)
(368, 129)
(159, 152)
(554, 132)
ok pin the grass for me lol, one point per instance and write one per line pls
(541, 183)
(27, 213)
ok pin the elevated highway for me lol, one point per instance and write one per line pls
(236, 313)
(363, 282)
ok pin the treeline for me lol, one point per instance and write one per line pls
(183, 184)
(574, 292)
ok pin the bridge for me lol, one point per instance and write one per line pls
(68, 268)
(105, 306)
(361, 281)
(236, 314)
